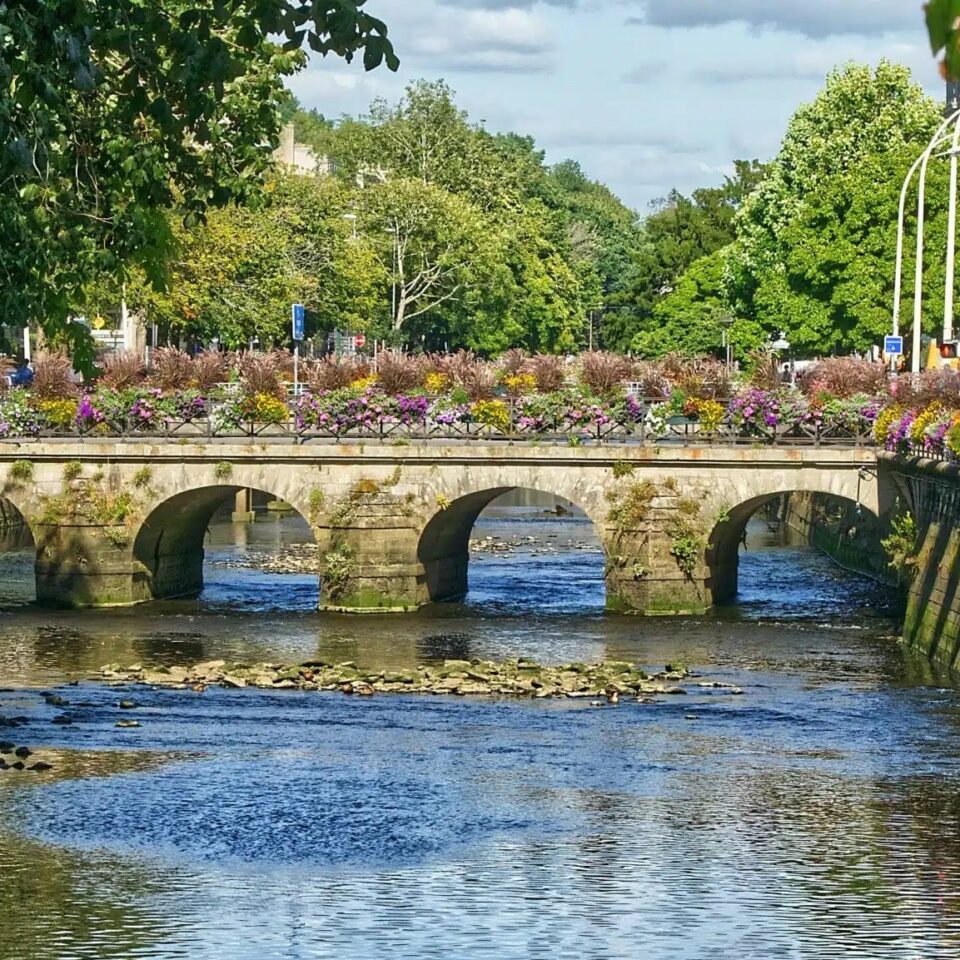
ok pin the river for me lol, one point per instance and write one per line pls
(816, 816)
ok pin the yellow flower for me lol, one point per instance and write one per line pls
(885, 419)
(265, 408)
(436, 382)
(364, 383)
(58, 413)
(520, 383)
(491, 413)
(924, 419)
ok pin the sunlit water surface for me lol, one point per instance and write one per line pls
(817, 816)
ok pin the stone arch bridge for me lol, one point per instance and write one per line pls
(118, 523)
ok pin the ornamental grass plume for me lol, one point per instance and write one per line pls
(121, 369)
(514, 362)
(941, 385)
(844, 377)
(398, 372)
(650, 380)
(260, 374)
(209, 370)
(334, 373)
(603, 372)
(549, 372)
(472, 374)
(172, 369)
(764, 370)
(53, 377)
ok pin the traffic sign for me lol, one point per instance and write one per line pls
(893, 346)
(299, 317)
(359, 340)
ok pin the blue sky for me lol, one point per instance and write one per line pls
(646, 94)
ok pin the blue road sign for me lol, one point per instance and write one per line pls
(298, 321)
(893, 346)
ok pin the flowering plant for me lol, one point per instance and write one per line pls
(757, 412)
(18, 418)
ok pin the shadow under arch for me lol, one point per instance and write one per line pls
(17, 577)
(169, 546)
(723, 545)
(444, 546)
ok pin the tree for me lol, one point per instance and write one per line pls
(429, 240)
(691, 319)
(815, 246)
(677, 234)
(235, 276)
(113, 112)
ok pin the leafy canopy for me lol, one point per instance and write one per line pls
(114, 111)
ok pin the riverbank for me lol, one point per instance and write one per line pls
(519, 677)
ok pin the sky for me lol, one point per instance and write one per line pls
(647, 95)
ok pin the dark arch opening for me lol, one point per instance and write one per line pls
(18, 555)
(198, 532)
(531, 551)
(846, 532)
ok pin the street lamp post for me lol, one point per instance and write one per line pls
(726, 322)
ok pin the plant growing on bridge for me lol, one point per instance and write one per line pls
(629, 508)
(623, 468)
(142, 477)
(338, 568)
(223, 471)
(902, 545)
(21, 471)
(687, 549)
(72, 469)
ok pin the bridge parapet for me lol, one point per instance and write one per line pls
(123, 522)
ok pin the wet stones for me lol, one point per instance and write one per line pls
(612, 680)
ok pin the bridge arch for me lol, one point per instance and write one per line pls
(722, 551)
(443, 549)
(168, 548)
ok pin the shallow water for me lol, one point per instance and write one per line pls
(815, 816)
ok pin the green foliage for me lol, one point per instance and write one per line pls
(623, 468)
(681, 232)
(111, 112)
(687, 549)
(902, 545)
(21, 471)
(72, 469)
(142, 477)
(816, 241)
(318, 500)
(338, 568)
(629, 508)
(223, 471)
(943, 25)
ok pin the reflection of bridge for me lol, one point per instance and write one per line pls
(123, 522)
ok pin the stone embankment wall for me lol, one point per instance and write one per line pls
(930, 490)
(848, 534)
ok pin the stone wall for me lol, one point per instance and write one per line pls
(931, 492)
(847, 533)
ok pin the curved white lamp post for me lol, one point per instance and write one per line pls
(947, 136)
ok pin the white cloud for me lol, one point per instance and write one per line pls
(812, 18)
(511, 40)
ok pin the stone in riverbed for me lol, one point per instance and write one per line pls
(40, 766)
(7, 747)
(229, 680)
(127, 724)
(128, 704)
(22, 752)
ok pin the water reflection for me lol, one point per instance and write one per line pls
(817, 816)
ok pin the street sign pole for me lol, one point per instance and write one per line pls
(298, 315)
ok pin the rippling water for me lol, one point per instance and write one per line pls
(814, 817)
